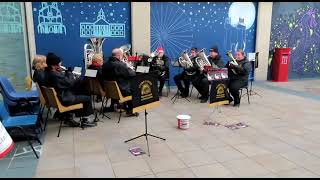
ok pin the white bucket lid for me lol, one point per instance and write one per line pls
(183, 117)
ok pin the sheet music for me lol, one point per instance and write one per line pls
(77, 69)
(91, 73)
(143, 69)
(252, 56)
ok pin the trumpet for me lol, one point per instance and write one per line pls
(202, 60)
(126, 49)
(233, 61)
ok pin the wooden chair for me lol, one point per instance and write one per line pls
(113, 91)
(53, 101)
(95, 88)
(43, 104)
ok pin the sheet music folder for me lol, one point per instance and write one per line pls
(90, 73)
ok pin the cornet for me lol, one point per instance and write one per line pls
(152, 55)
(233, 61)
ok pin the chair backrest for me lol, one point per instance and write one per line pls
(53, 100)
(28, 81)
(6, 86)
(113, 90)
(95, 87)
(42, 95)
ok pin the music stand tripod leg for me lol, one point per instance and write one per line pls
(146, 133)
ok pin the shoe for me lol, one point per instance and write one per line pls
(160, 94)
(183, 95)
(85, 122)
(72, 123)
(90, 118)
(204, 100)
(132, 114)
(201, 97)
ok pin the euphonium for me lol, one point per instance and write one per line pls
(126, 49)
(233, 60)
(202, 60)
(186, 62)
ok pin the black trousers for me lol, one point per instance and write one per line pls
(234, 87)
(201, 83)
(81, 96)
(186, 81)
(162, 80)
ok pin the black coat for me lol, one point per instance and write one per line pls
(163, 66)
(65, 85)
(99, 73)
(242, 69)
(217, 61)
(116, 70)
(40, 77)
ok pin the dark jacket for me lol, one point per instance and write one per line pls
(116, 70)
(160, 66)
(40, 77)
(242, 69)
(194, 69)
(65, 84)
(217, 61)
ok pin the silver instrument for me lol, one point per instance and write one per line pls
(202, 60)
(92, 48)
(233, 61)
(185, 62)
(126, 49)
(152, 55)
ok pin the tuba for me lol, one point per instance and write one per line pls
(185, 62)
(92, 48)
(126, 49)
(233, 61)
(202, 60)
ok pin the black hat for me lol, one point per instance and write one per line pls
(52, 59)
(214, 49)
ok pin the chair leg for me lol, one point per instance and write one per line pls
(120, 113)
(191, 91)
(248, 95)
(29, 142)
(60, 127)
(46, 122)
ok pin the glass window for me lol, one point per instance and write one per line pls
(12, 50)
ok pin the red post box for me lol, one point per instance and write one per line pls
(280, 65)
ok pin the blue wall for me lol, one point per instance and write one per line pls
(181, 25)
(296, 25)
(66, 41)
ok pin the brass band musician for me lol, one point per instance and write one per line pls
(160, 65)
(201, 82)
(187, 75)
(238, 75)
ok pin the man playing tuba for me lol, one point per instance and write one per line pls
(201, 83)
(187, 75)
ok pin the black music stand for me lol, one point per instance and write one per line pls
(254, 65)
(144, 96)
(177, 95)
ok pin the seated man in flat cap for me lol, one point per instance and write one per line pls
(201, 83)
(69, 90)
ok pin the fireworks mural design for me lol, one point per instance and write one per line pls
(300, 32)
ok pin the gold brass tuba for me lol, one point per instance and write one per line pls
(126, 49)
(95, 46)
(202, 60)
(233, 60)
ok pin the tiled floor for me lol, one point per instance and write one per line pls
(282, 140)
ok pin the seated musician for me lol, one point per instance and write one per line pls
(69, 90)
(96, 64)
(39, 65)
(187, 75)
(240, 79)
(117, 70)
(201, 82)
(160, 65)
